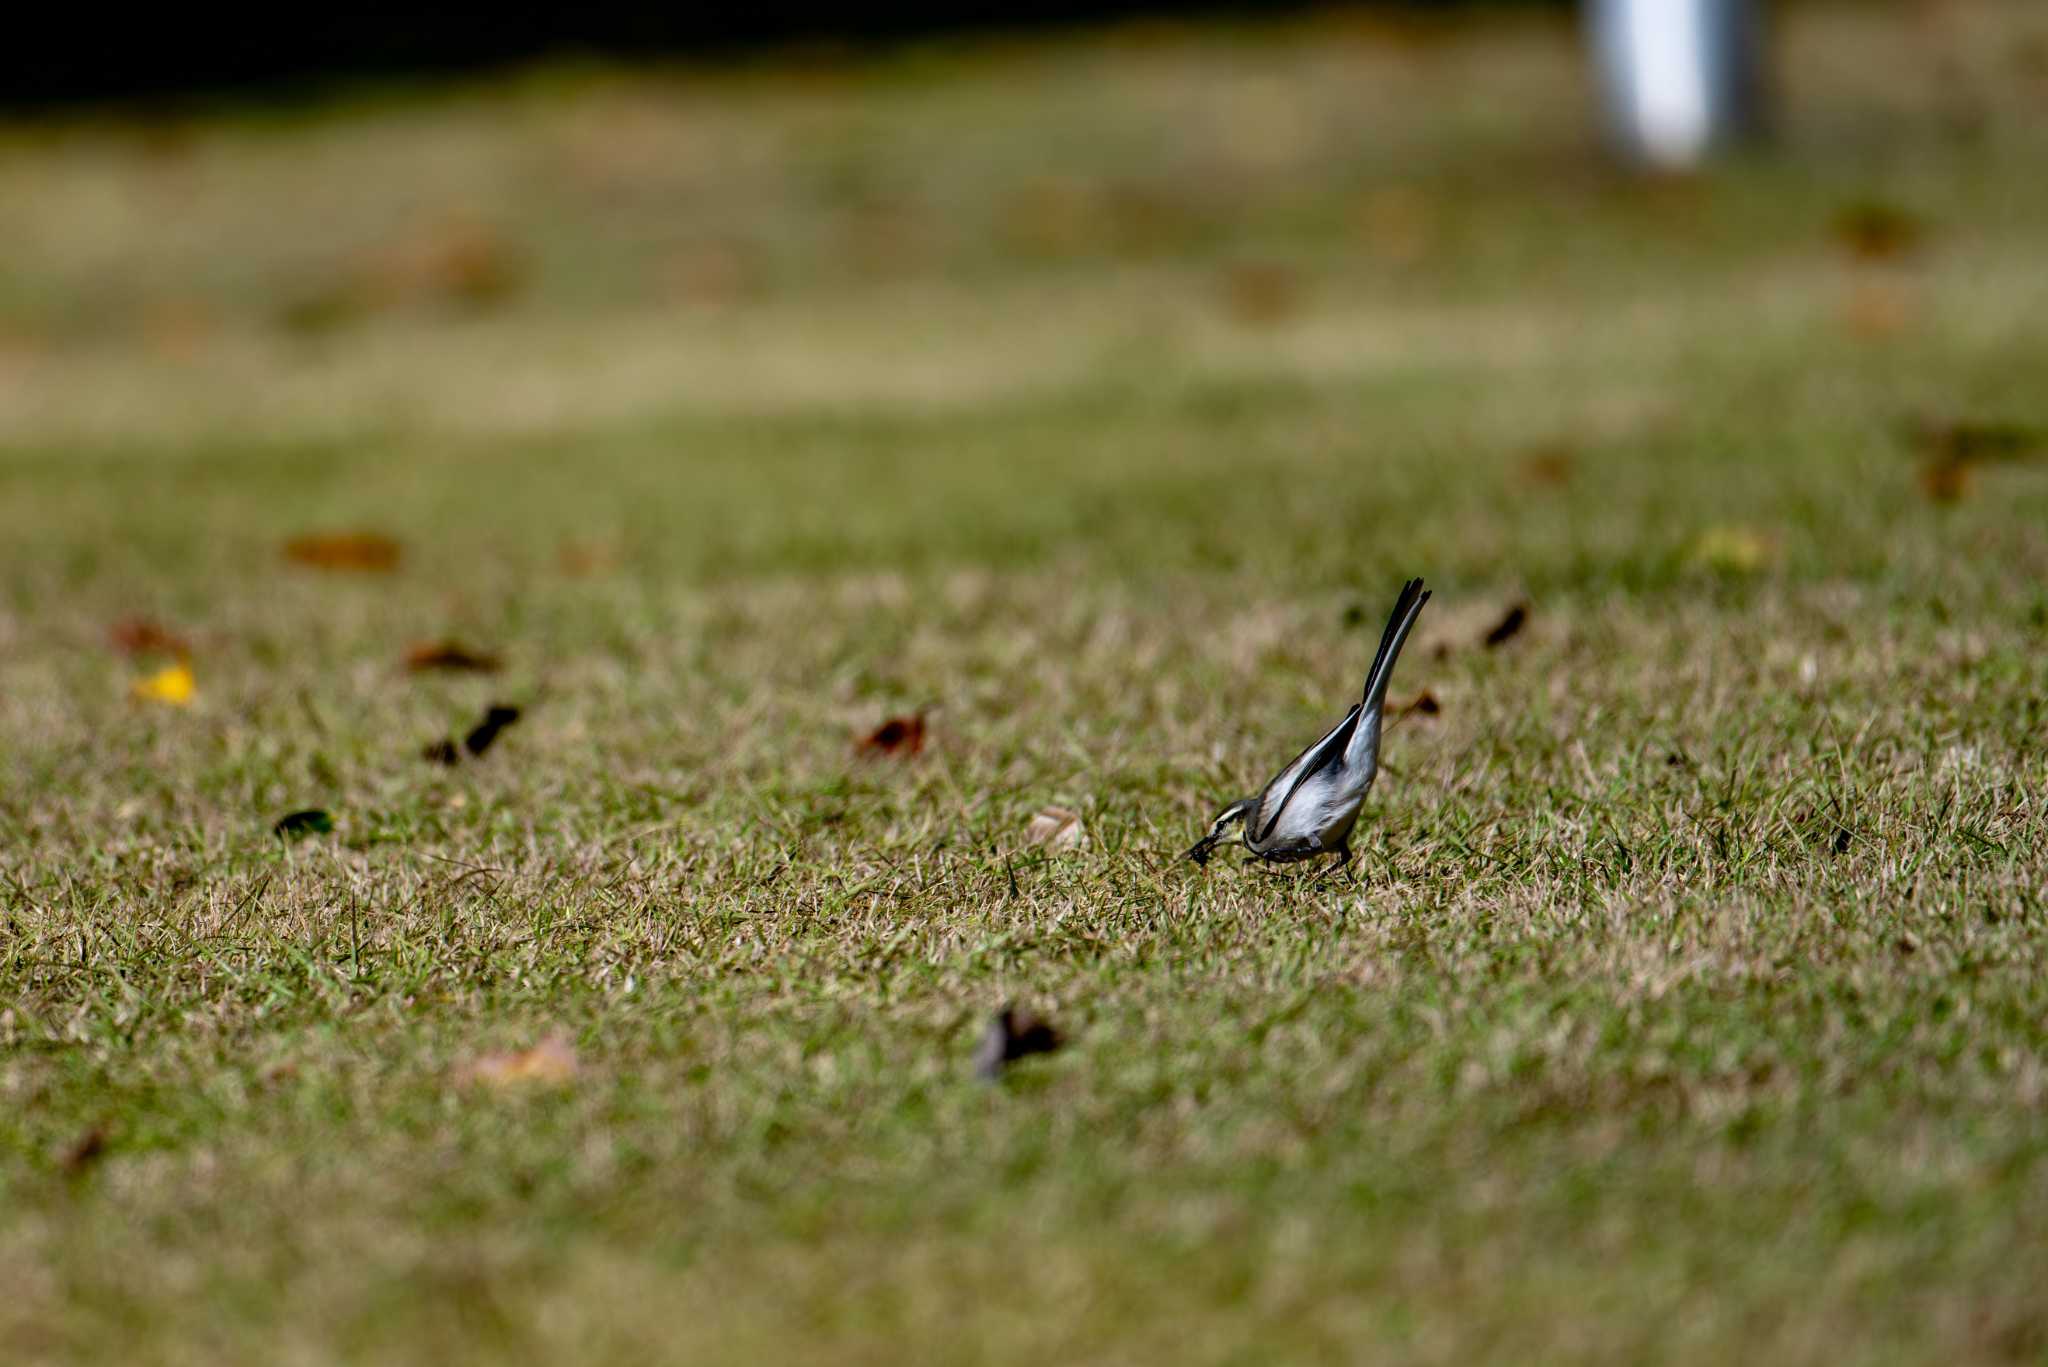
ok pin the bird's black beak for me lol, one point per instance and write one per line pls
(1201, 851)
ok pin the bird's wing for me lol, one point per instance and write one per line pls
(1306, 766)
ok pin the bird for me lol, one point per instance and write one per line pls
(1309, 807)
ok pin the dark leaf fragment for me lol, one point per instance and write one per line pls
(1951, 450)
(486, 731)
(83, 1152)
(299, 825)
(1508, 627)
(1013, 1033)
(1424, 702)
(451, 655)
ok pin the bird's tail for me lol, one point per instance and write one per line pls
(1407, 608)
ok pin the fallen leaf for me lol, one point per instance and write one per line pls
(551, 1063)
(83, 1152)
(1056, 828)
(900, 736)
(1876, 230)
(299, 825)
(173, 684)
(450, 655)
(1508, 627)
(141, 636)
(1424, 703)
(486, 731)
(369, 552)
(1976, 438)
(1013, 1034)
(1732, 549)
(1953, 448)
(1946, 481)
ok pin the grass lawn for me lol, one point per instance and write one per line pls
(1098, 393)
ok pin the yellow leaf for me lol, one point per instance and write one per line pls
(1741, 550)
(173, 684)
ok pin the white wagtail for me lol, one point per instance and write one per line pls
(1310, 806)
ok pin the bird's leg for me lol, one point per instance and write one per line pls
(1341, 861)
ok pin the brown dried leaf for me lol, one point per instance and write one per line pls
(1423, 703)
(141, 636)
(451, 655)
(550, 1063)
(1975, 439)
(1946, 481)
(83, 1152)
(899, 736)
(1056, 828)
(1954, 448)
(365, 552)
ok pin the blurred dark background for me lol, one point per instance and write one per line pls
(57, 56)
